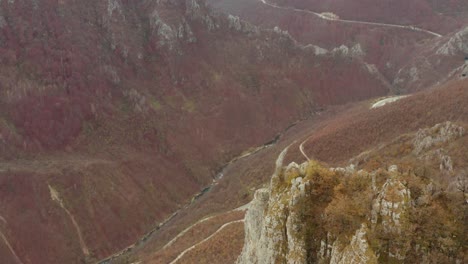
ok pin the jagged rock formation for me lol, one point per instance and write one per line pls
(390, 205)
(310, 214)
(253, 226)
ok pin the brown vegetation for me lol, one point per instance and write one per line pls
(363, 129)
(103, 80)
(100, 84)
(359, 129)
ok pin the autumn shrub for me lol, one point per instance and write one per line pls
(351, 204)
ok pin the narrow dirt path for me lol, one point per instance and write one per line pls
(5, 240)
(301, 149)
(205, 240)
(244, 207)
(55, 196)
(331, 18)
(51, 164)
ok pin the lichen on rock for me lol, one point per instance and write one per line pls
(358, 251)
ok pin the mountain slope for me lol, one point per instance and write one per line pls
(114, 114)
(370, 139)
(435, 62)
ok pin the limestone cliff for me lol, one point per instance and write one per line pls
(396, 214)
(273, 226)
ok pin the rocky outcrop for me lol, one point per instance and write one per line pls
(389, 212)
(276, 227)
(253, 226)
(390, 206)
(313, 214)
(273, 225)
(440, 133)
(354, 51)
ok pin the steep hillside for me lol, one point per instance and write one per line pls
(114, 114)
(436, 62)
(411, 133)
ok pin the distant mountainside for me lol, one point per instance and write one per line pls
(392, 35)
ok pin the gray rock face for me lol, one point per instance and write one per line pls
(390, 205)
(273, 226)
(457, 43)
(253, 227)
(440, 133)
(355, 51)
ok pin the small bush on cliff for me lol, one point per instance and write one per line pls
(322, 182)
(351, 204)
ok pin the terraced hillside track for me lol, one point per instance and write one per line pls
(9, 246)
(242, 208)
(205, 240)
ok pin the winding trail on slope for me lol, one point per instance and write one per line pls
(55, 196)
(330, 18)
(196, 196)
(204, 240)
(147, 235)
(278, 166)
(244, 207)
(387, 100)
(301, 149)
